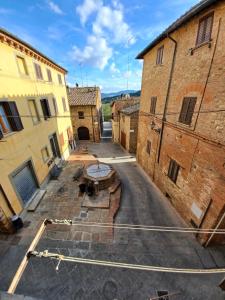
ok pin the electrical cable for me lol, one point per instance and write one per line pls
(59, 257)
(139, 227)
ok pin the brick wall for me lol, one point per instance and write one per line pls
(199, 148)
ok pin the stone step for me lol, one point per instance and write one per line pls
(37, 199)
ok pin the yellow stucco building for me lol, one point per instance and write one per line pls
(35, 124)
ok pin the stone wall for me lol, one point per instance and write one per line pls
(199, 148)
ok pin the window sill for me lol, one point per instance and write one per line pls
(5, 136)
(209, 44)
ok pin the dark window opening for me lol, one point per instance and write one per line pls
(205, 29)
(81, 114)
(60, 79)
(49, 75)
(38, 71)
(9, 118)
(45, 108)
(163, 295)
(173, 170)
(148, 147)
(187, 110)
(153, 105)
(159, 57)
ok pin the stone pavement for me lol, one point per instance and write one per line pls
(142, 203)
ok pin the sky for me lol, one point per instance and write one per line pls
(95, 40)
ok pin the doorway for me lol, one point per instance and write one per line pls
(83, 133)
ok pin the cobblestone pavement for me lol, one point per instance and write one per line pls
(141, 203)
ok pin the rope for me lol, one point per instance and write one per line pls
(138, 227)
(59, 257)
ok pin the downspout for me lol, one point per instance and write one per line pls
(93, 129)
(167, 95)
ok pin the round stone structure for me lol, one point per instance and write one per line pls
(100, 172)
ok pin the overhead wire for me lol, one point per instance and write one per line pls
(59, 257)
(139, 227)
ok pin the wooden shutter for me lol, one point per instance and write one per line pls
(1, 134)
(13, 116)
(44, 109)
(48, 108)
(159, 57)
(184, 110)
(173, 170)
(205, 29)
(191, 107)
(153, 105)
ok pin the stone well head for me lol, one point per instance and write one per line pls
(100, 172)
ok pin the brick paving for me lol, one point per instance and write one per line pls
(141, 203)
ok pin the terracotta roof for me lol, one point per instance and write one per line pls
(83, 95)
(14, 37)
(178, 23)
(131, 109)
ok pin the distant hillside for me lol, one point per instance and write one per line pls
(117, 96)
(113, 94)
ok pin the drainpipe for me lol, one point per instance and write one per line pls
(93, 129)
(214, 231)
(167, 95)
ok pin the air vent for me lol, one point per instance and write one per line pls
(163, 295)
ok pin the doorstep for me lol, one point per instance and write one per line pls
(36, 200)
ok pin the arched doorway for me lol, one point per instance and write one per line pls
(83, 133)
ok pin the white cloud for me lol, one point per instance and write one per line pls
(87, 9)
(113, 68)
(108, 28)
(55, 8)
(96, 52)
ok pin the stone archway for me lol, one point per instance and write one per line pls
(83, 133)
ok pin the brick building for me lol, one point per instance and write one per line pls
(86, 112)
(129, 127)
(181, 138)
(116, 106)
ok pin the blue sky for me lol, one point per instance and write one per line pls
(92, 39)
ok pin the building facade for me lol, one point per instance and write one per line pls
(181, 139)
(86, 113)
(35, 123)
(116, 106)
(129, 127)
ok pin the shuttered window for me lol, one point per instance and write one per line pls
(173, 170)
(205, 29)
(55, 106)
(148, 147)
(38, 71)
(45, 154)
(187, 110)
(45, 108)
(153, 105)
(34, 111)
(22, 65)
(9, 118)
(159, 57)
(64, 104)
(59, 79)
(49, 74)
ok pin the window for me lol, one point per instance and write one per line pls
(64, 104)
(49, 74)
(159, 57)
(9, 118)
(45, 108)
(148, 147)
(38, 71)
(55, 106)
(187, 110)
(173, 170)
(45, 154)
(34, 111)
(81, 114)
(22, 65)
(59, 79)
(153, 105)
(204, 29)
